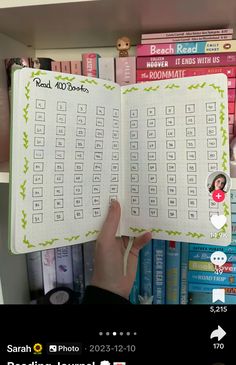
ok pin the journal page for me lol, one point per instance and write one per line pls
(65, 158)
(176, 156)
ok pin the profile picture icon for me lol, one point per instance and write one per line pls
(218, 181)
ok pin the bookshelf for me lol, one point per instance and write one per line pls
(65, 29)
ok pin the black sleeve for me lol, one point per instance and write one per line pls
(95, 295)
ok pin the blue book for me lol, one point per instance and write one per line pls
(206, 256)
(212, 248)
(146, 270)
(158, 271)
(207, 277)
(173, 272)
(184, 273)
(206, 298)
(135, 291)
(207, 288)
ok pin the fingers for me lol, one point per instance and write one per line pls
(141, 241)
(111, 223)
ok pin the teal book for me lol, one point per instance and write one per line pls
(159, 268)
(184, 273)
(146, 270)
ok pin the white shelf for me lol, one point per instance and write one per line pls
(18, 3)
(4, 172)
(76, 24)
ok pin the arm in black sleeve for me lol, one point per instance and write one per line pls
(95, 295)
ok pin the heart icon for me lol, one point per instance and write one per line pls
(218, 221)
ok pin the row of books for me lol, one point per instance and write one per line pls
(68, 267)
(169, 272)
(162, 274)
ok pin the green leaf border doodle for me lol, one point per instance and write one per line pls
(64, 78)
(72, 238)
(91, 233)
(22, 192)
(23, 219)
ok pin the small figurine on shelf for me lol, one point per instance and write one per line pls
(123, 45)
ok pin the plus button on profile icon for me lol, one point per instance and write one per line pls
(218, 196)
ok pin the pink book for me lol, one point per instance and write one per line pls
(189, 33)
(125, 70)
(231, 95)
(90, 64)
(231, 118)
(231, 128)
(65, 67)
(76, 67)
(56, 66)
(206, 60)
(161, 74)
(232, 83)
(187, 39)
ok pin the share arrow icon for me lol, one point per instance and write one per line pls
(219, 333)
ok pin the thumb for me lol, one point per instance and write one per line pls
(111, 223)
(141, 241)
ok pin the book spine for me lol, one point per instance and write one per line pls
(206, 256)
(173, 272)
(212, 248)
(144, 77)
(231, 95)
(146, 270)
(78, 271)
(205, 277)
(35, 274)
(76, 67)
(56, 66)
(206, 298)
(184, 273)
(182, 48)
(186, 39)
(228, 267)
(231, 118)
(231, 108)
(159, 268)
(107, 68)
(90, 64)
(88, 255)
(207, 288)
(49, 270)
(135, 291)
(209, 60)
(125, 70)
(189, 33)
(160, 74)
(64, 275)
(232, 83)
(65, 67)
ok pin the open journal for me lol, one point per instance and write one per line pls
(79, 142)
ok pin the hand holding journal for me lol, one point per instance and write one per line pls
(79, 142)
